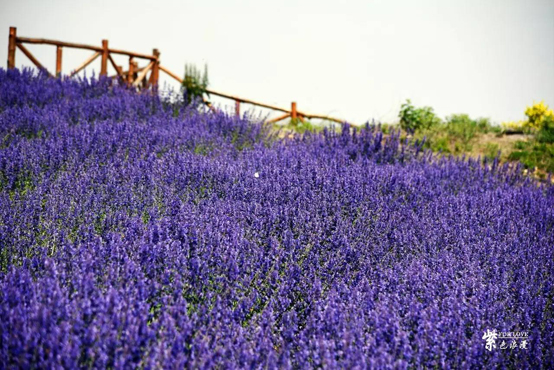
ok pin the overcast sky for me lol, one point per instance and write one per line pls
(357, 60)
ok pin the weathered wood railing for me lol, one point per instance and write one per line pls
(292, 113)
(135, 75)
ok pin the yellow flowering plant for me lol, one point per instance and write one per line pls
(538, 114)
(514, 125)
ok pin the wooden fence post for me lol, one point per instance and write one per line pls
(237, 107)
(104, 66)
(135, 68)
(58, 61)
(293, 111)
(155, 69)
(11, 47)
(131, 71)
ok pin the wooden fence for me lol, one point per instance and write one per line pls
(145, 77)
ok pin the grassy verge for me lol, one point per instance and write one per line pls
(489, 142)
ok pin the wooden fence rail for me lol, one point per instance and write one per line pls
(131, 76)
(134, 75)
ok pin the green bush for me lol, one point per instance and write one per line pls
(461, 128)
(413, 119)
(195, 83)
(534, 155)
(386, 128)
(520, 145)
(546, 131)
(455, 135)
(440, 144)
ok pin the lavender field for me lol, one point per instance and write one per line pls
(135, 232)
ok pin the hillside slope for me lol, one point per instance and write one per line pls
(135, 232)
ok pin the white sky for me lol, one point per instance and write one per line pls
(357, 60)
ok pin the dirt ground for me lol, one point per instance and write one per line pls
(505, 143)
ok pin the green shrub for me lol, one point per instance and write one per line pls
(546, 131)
(413, 119)
(534, 155)
(518, 155)
(386, 128)
(462, 129)
(440, 144)
(195, 83)
(519, 145)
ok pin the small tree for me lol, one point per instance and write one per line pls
(195, 83)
